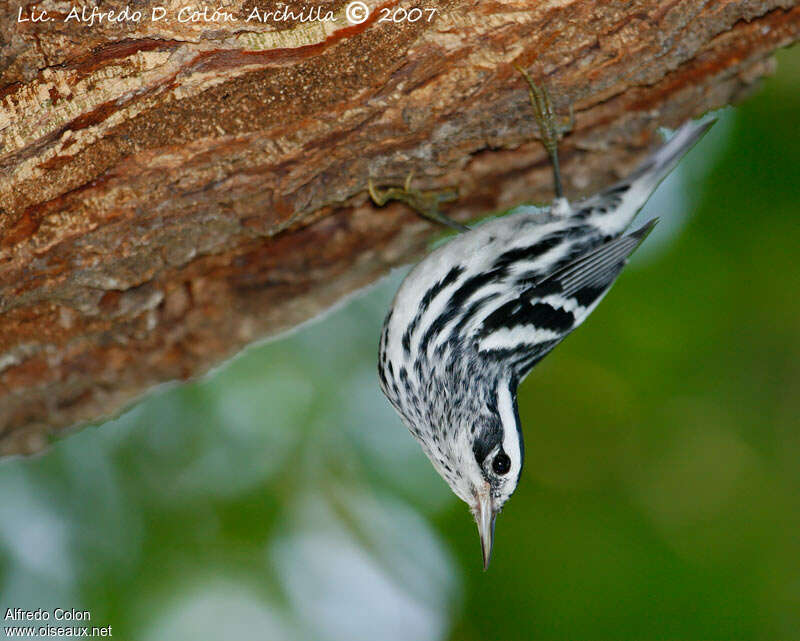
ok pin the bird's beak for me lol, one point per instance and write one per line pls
(485, 516)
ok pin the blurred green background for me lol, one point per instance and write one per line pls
(281, 497)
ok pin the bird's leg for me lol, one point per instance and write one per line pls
(551, 129)
(425, 203)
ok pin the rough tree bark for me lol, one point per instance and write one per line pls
(173, 190)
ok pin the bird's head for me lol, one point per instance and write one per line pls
(480, 455)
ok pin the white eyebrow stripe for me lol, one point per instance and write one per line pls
(508, 418)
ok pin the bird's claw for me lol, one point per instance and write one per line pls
(550, 127)
(425, 203)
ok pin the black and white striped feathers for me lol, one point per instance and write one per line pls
(472, 319)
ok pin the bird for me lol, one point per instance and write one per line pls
(472, 319)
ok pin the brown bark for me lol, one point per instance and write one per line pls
(171, 191)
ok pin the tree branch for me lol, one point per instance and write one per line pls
(173, 190)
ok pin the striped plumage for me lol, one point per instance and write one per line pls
(472, 319)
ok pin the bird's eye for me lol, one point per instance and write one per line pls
(501, 463)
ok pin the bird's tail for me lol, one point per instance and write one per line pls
(661, 162)
(614, 208)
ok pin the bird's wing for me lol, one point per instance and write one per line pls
(523, 330)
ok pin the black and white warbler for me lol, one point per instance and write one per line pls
(472, 319)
